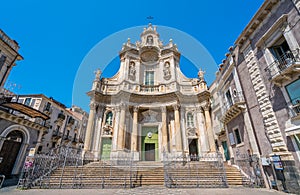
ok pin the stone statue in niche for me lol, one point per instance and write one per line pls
(167, 71)
(132, 71)
(150, 40)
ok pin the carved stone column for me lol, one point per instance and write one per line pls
(210, 133)
(98, 131)
(90, 127)
(202, 131)
(164, 129)
(121, 131)
(116, 128)
(177, 129)
(134, 135)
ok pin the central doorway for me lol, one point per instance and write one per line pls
(193, 149)
(106, 148)
(149, 152)
(149, 147)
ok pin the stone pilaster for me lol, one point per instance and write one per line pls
(116, 128)
(164, 129)
(90, 127)
(121, 131)
(202, 131)
(177, 129)
(134, 135)
(98, 132)
(210, 133)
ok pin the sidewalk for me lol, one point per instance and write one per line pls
(142, 190)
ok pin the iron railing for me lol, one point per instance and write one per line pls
(283, 62)
(294, 107)
(250, 169)
(197, 171)
(67, 167)
(237, 97)
(150, 88)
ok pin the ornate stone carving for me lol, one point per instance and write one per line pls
(122, 106)
(167, 71)
(191, 132)
(149, 116)
(163, 109)
(149, 56)
(135, 109)
(176, 106)
(107, 130)
(207, 106)
(199, 109)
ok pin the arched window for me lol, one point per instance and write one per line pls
(109, 118)
(190, 119)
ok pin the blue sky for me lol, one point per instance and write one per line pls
(55, 36)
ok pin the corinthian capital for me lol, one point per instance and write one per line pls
(207, 106)
(176, 106)
(93, 105)
(163, 109)
(135, 109)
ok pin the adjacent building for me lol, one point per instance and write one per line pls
(66, 125)
(256, 94)
(17, 134)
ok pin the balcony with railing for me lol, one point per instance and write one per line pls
(47, 110)
(149, 88)
(233, 107)
(61, 117)
(285, 67)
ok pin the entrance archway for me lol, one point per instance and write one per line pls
(10, 150)
(193, 149)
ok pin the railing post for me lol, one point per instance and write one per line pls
(63, 167)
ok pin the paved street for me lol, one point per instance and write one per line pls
(142, 190)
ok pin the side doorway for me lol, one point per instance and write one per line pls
(226, 151)
(10, 151)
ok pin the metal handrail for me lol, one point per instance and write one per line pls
(237, 97)
(283, 62)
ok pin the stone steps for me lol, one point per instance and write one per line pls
(100, 175)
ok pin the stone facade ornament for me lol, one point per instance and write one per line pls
(149, 116)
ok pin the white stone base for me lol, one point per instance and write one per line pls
(136, 156)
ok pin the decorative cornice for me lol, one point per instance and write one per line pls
(21, 121)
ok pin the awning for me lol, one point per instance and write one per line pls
(25, 110)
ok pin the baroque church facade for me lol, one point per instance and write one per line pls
(149, 107)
